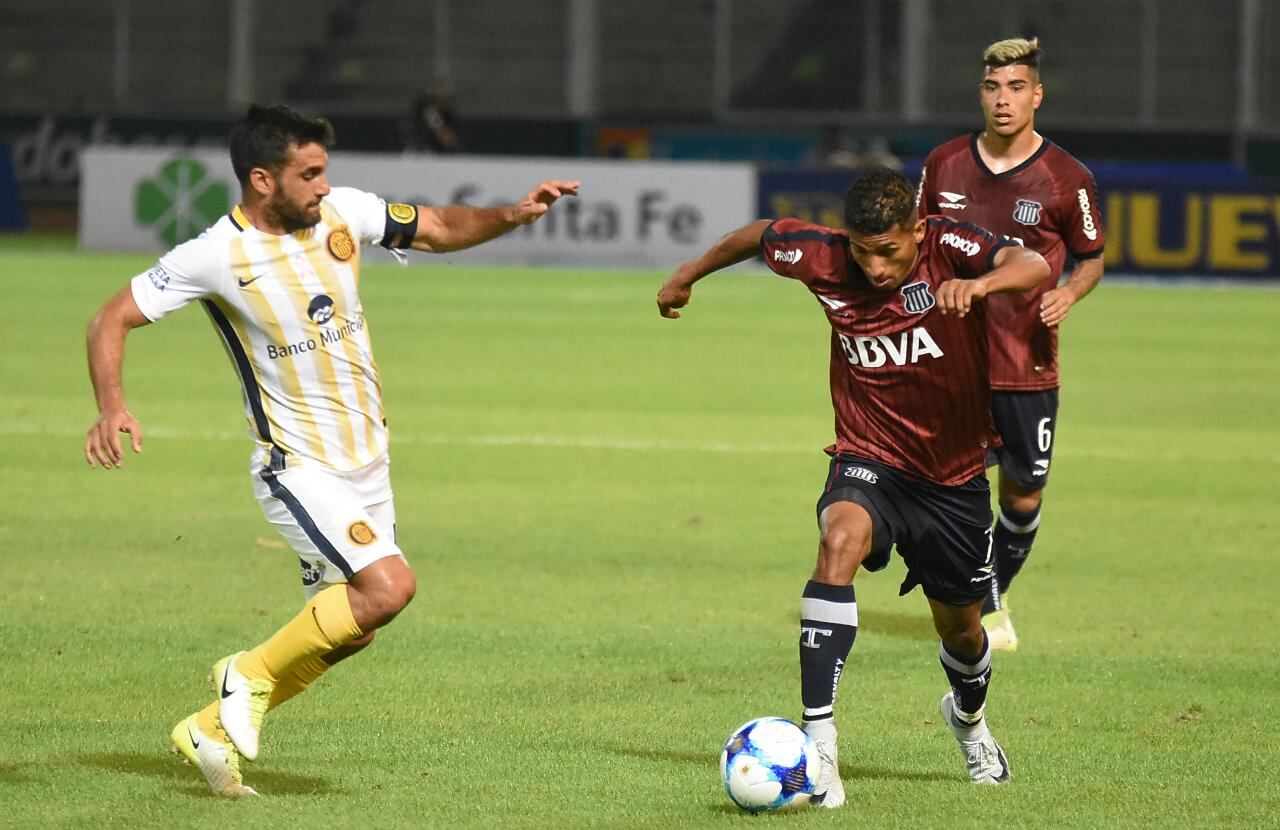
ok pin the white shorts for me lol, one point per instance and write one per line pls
(338, 523)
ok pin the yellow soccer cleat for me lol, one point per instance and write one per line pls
(242, 705)
(219, 761)
(999, 626)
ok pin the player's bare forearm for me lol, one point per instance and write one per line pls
(1084, 278)
(455, 227)
(1056, 304)
(730, 249)
(105, 341)
(1016, 269)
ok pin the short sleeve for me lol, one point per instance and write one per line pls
(809, 253)
(364, 213)
(188, 272)
(969, 251)
(1081, 222)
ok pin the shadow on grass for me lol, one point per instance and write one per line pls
(12, 774)
(911, 626)
(188, 778)
(849, 772)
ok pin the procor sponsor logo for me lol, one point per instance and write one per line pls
(791, 257)
(905, 347)
(1086, 211)
(969, 246)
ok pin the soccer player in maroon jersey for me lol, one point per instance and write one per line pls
(1013, 181)
(913, 424)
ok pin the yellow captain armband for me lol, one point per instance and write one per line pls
(401, 226)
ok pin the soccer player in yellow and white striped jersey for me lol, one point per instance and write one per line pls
(279, 278)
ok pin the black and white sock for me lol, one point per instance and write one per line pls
(828, 626)
(1012, 538)
(969, 678)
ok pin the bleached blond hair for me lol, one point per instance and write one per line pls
(1011, 51)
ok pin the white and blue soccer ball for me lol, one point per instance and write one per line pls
(769, 764)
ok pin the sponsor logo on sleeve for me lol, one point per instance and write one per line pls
(955, 240)
(1027, 212)
(790, 257)
(1086, 212)
(159, 277)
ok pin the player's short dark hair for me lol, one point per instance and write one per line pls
(263, 136)
(1011, 51)
(877, 200)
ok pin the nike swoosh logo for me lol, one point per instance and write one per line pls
(243, 283)
(225, 691)
(194, 742)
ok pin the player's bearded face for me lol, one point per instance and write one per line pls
(299, 187)
(888, 257)
(1010, 97)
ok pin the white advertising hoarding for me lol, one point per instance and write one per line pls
(630, 213)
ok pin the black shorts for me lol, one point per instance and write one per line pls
(942, 533)
(1026, 422)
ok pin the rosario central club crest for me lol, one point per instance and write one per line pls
(917, 298)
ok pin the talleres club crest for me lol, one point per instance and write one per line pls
(917, 298)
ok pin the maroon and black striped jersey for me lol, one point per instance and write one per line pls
(1048, 203)
(908, 384)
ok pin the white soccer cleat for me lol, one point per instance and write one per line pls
(219, 761)
(999, 626)
(830, 790)
(982, 755)
(242, 704)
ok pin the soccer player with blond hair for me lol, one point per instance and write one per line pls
(278, 278)
(1011, 180)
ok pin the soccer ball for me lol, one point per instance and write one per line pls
(769, 764)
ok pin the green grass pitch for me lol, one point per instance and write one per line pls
(611, 516)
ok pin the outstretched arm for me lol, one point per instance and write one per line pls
(1056, 303)
(1016, 269)
(454, 227)
(105, 340)
(730, 249)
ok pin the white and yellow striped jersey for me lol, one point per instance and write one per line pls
(288, 310)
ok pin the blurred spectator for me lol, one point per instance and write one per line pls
(432, 125)
(838, 150)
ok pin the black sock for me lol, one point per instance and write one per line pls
(828, 625)
(969, 676)
(1014, 534)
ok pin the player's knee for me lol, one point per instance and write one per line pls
(396, 595)
(384, 593)
(962, 634)
(1021, 501)
(840, 550)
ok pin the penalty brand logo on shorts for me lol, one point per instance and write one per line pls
(361, 533)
